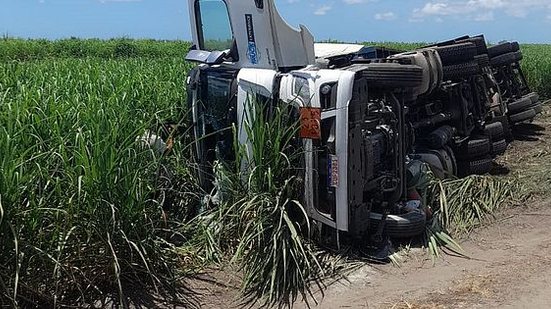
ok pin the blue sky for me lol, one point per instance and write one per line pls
(345, 20)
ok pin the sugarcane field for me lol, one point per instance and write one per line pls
(275, 154)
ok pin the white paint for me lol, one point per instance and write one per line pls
(316, 79)
(328, 50)
(249, 83)
(278, 44)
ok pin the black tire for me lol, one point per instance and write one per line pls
(538, 108)
(495, 131)
(478, 166)
(502, 48)
(390, 75)
(449, 42)
(515, 46)
(499, 147)
(480, 42)
(475, 147)
(483, 61)
(522, 116)
(504, 120)
(519, 105)
(456, 71)
(401, 226)
(440, 137)
(534, 97)
(506, 59)
(499, 49)
(451, 153)
(456, 53)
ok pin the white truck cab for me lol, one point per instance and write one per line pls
(244, 48)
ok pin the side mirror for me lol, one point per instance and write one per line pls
(196, 55)
(216, 57)
(213, 57)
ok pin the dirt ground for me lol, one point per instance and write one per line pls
(509, 267)
(509, 264)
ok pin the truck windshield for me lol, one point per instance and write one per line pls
(213, 25)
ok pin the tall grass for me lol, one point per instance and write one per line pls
(259, 219)
(536, 65)
(88, 215)
(19, 49)
(82, 218)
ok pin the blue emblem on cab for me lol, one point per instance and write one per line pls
(252, 52)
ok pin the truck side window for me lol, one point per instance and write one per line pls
(213, 25)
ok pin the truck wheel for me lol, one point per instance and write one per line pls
(401, 226)
(534, 97)
(503, 48)
(457, 71)
(481, 47)
(499, 147)
(538, 108)
(475, 147)
(450, 152)
(474, 167)
(494, 130)
(440, 137)
(483, 60)
(504, 120)
(522, 116)
(515, 46)
(456, 53)
(506, 59)
(519, 105)
(392, 75)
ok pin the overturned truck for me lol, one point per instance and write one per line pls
(374, 115)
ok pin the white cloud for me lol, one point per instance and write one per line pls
(436, 9)
(385, 16)
(322, 10)
(444, 8)
(488, 4)
(479, 10)
(489, 16)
